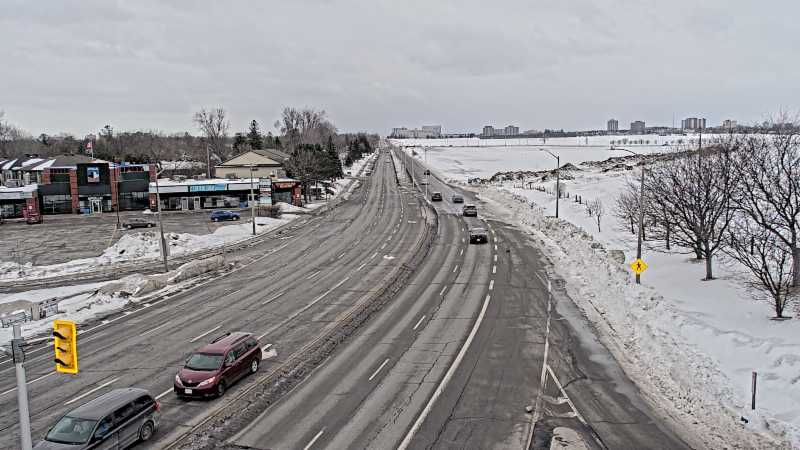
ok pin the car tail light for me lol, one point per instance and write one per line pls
(158, 405)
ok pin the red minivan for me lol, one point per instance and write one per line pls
(213, 368)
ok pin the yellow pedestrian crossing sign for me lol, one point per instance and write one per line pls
(638, 266)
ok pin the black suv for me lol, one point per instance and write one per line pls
(478, 236)
(470, 211)
(436, 197)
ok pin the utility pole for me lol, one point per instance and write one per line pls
(558, 176)
(208, 160)
(641, 214)
(118, 173)
(252, 201)
(22, 389)
(425, 152)
(161, 226)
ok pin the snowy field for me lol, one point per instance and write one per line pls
(691, 345)
(470, 158)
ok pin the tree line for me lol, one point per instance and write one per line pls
(739, 197)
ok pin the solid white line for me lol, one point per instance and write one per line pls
(361, 267)
(419, 322)
(311, 443)
(378, 370)
(90, 392)
(154, 329)
(461, 252)
(313, 275)
(491, 285)
(444, 288)
(274, 297)
(29, 382)
(447, 376)
(455, 268)
(158, 397)
(206, 333)
(494, 269)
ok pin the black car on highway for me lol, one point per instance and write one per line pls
(436, 197)
(137, 222)
(457, 198)
(469, 211)
(478, 236)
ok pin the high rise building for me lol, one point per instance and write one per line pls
(729, 124)
(488, 131)
(511, 130)
(638, 127)
(693, 123)
(613, 125)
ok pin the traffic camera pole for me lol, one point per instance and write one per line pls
(641, 225)
(22, 390)
(161, 228)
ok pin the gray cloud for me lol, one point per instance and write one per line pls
(78, 65)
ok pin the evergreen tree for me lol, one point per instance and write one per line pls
(269, 141)
(334, 162)
(254, 136)
(239, 142)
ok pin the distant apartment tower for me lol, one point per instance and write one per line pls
(637, 127)
(693, 123)
(427, 131)
(729, 124)
(511, 130)
(488, 131)
(613, 125)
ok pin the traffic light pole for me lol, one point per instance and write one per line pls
(22, 390)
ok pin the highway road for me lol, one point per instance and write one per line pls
(293, 288)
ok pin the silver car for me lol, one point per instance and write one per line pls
(115, 420)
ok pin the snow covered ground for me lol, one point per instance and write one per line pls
(143, 246)
(691, 345)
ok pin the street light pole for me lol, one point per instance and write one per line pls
(558, 176)
(22, 389)
(641, 214)
(161, 226)
(252, 201)
(118, 174)
(208, 160)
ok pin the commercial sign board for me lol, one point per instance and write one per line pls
(284, 185)
(207, 187)
(92, 174)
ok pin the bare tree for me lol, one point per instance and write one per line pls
(596, 210)
(214, 125)
(767, 257)
(306, 126)
(626, 207)
(768, 170)
(696, 190)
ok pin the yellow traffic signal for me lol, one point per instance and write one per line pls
(66, 346)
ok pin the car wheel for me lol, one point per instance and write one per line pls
(215, 219)
(236, 218)
(128, 227)
(221, 387)
(150, 225)
(146, 432)
(254, 366)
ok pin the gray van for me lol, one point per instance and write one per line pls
(115, 420)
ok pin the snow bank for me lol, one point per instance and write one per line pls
(143, 246)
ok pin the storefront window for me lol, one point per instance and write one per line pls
(56, 204)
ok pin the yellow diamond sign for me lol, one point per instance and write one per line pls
(638, 266)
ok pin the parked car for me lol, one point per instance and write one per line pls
(427, 172)
(367, 173)
(137, 222)
(33, 217)
(469, 211)
(116, 419)
(457, 198)
(436, 197)
(212, 369)
(423, 182)
(216, 216)
(478, 236)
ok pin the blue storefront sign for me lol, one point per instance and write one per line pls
(207, 187)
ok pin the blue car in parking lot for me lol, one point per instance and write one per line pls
(216, 216)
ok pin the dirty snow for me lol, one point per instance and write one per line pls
(691, 345)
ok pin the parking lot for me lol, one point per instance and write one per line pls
(62, 238)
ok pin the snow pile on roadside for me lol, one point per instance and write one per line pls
(287, 208)
(654, 340)
(144, 246)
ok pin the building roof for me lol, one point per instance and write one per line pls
(258, 158)
(272, 153)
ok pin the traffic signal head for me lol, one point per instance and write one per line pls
(66, 346)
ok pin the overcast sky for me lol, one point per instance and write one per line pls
(373, 65)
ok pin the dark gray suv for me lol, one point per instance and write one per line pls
(115, 420)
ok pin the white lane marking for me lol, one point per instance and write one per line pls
(493, 232)
(206, 333)
(494, 269)
(361, 267)
(383, 246)
(461, 252)
(455, 268)
(462, 240)
(444, 288)
(491, 285)
(376, 254)
(271, 299)
(447, 376)
(495, 258)
(314, 439)
(341, 256)
(158, 397)
(495, 247)
(91, 391)
(378, 369)
(29, 382)
(313, 275)
(418, 322)
(265, 348)
(154, 329)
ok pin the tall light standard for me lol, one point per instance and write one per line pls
(425, 152)
(558, 176)
(252, 201)
(208, 161)
(161, 225)
(641, 213)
